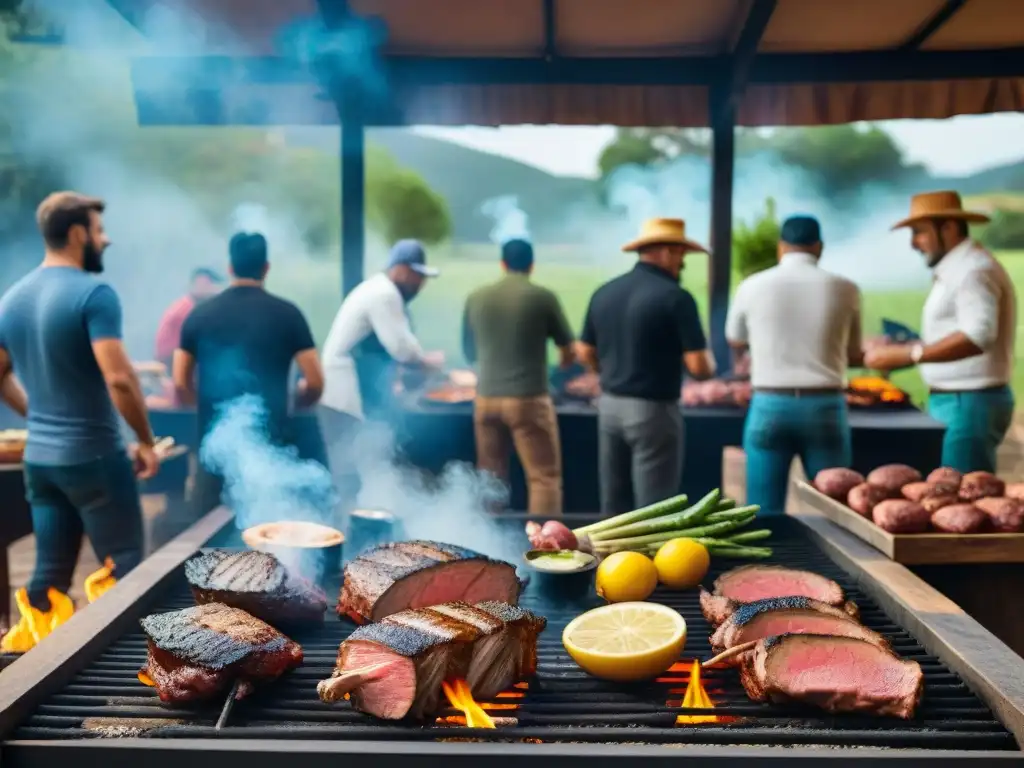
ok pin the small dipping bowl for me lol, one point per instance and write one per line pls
(309, 549)
(569, 581)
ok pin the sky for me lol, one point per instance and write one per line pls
(954, 147)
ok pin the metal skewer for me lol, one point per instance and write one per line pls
(225, 712)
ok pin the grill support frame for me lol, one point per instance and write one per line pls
(952, 636)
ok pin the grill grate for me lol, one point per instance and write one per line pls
(561, 704)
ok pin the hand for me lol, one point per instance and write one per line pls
(145, 459)
(433, 359)
(888, 358)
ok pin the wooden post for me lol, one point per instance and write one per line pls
(723, 155)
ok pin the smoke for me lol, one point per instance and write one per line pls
(510, 221)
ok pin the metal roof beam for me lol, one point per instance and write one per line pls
(744, 52)
(550, 30)
(934, 24)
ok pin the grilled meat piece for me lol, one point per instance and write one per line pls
(198, 653)
(394, 668)
(416, 574)
(788, 615)
(749, 583)
(838, 674)
(257, 583)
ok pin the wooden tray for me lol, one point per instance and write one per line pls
(917, 548)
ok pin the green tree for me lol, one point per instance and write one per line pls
(1004, 232)
(400, 204)
(755, 246)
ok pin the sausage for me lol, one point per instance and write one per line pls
(980, 485)
(923, 490)
(935, 503)
(1005, 515)
(1014, 491)
(836, 483)
(901, 516)
(893, 477)
(959, 518)
(863, 498)
(945, 475)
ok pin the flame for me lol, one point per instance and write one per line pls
(98, 582)
(697, 698)
(461, 698)
(34, 624)
(145, 679)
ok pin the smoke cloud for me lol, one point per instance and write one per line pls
(510, 221)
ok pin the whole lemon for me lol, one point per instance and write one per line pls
(626, 577)
(682, 563)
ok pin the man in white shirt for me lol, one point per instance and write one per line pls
(968, 332)
(369, 335)
(801, 327)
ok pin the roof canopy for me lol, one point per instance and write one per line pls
(624, 62)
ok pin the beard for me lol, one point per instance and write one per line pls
(92, 258)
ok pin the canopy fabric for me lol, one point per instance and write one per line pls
(704, 31)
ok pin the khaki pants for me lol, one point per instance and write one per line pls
(530, 425)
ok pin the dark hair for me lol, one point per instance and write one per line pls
(800, 231)
(248, 255)
(961, 226)
(517, 255)
(61, 211)
(205, 273)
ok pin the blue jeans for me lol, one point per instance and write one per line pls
(100, 499)
(814, 427)
(976, 423)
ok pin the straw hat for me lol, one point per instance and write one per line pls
(663, 232)
(945, 204)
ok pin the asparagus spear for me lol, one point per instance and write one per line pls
(666, 507)
(687, 517)
(713, 529)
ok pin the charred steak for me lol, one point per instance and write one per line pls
(394, 668)
(200, 652)
(257, 583)
(750, 583)
(417, 574)
(838, 674)
(788, 615)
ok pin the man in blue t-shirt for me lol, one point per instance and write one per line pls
(60, 332)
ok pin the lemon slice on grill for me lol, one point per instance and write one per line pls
(626, 641)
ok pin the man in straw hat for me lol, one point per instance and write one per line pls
(802, 328)
(641, 329)
(967, 336)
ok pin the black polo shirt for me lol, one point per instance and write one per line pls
(641, 323)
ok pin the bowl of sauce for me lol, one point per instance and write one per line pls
(565, 573)
(312, 550)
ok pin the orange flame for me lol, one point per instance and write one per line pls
(696, 698)
(98, 582)
(461, 698)
(34, 625)
(146, 679)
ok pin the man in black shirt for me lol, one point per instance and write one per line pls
(243, 342)
(641, 329)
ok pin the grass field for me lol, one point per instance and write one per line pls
(437, 312)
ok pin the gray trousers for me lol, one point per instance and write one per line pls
(640, 452)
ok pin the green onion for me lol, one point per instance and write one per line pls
(666, 507)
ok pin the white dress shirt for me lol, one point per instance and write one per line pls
(974, 295)
(800, 322)
(374, 306)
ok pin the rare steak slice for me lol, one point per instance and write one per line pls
(788, 615)
(750, 583)
(200, 652)
(257, 583)
(837, 674)
(417, 574)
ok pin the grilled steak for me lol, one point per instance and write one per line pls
(394, 668)
(838, 674)
(198, 653)
(257, 583)
(417, 574)
(788, 615)
(750, 583)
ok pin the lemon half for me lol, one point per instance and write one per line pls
(626, 641)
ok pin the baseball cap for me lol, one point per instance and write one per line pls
(411, 254)
(801, 230)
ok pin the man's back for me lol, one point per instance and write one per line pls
(511, 321)
(800, 323)
(48, 321)
(244, 342)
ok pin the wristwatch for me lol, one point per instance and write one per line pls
(916, 353)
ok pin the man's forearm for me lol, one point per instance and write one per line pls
(14, 395)
(130, 403)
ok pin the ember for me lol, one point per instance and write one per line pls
(98, 582)
(34, 625)
(461, 698)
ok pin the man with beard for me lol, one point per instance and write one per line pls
(640, 331)
(60, 331)
(369, 335)
(968, 333)
(202, 285)
(243, 342)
